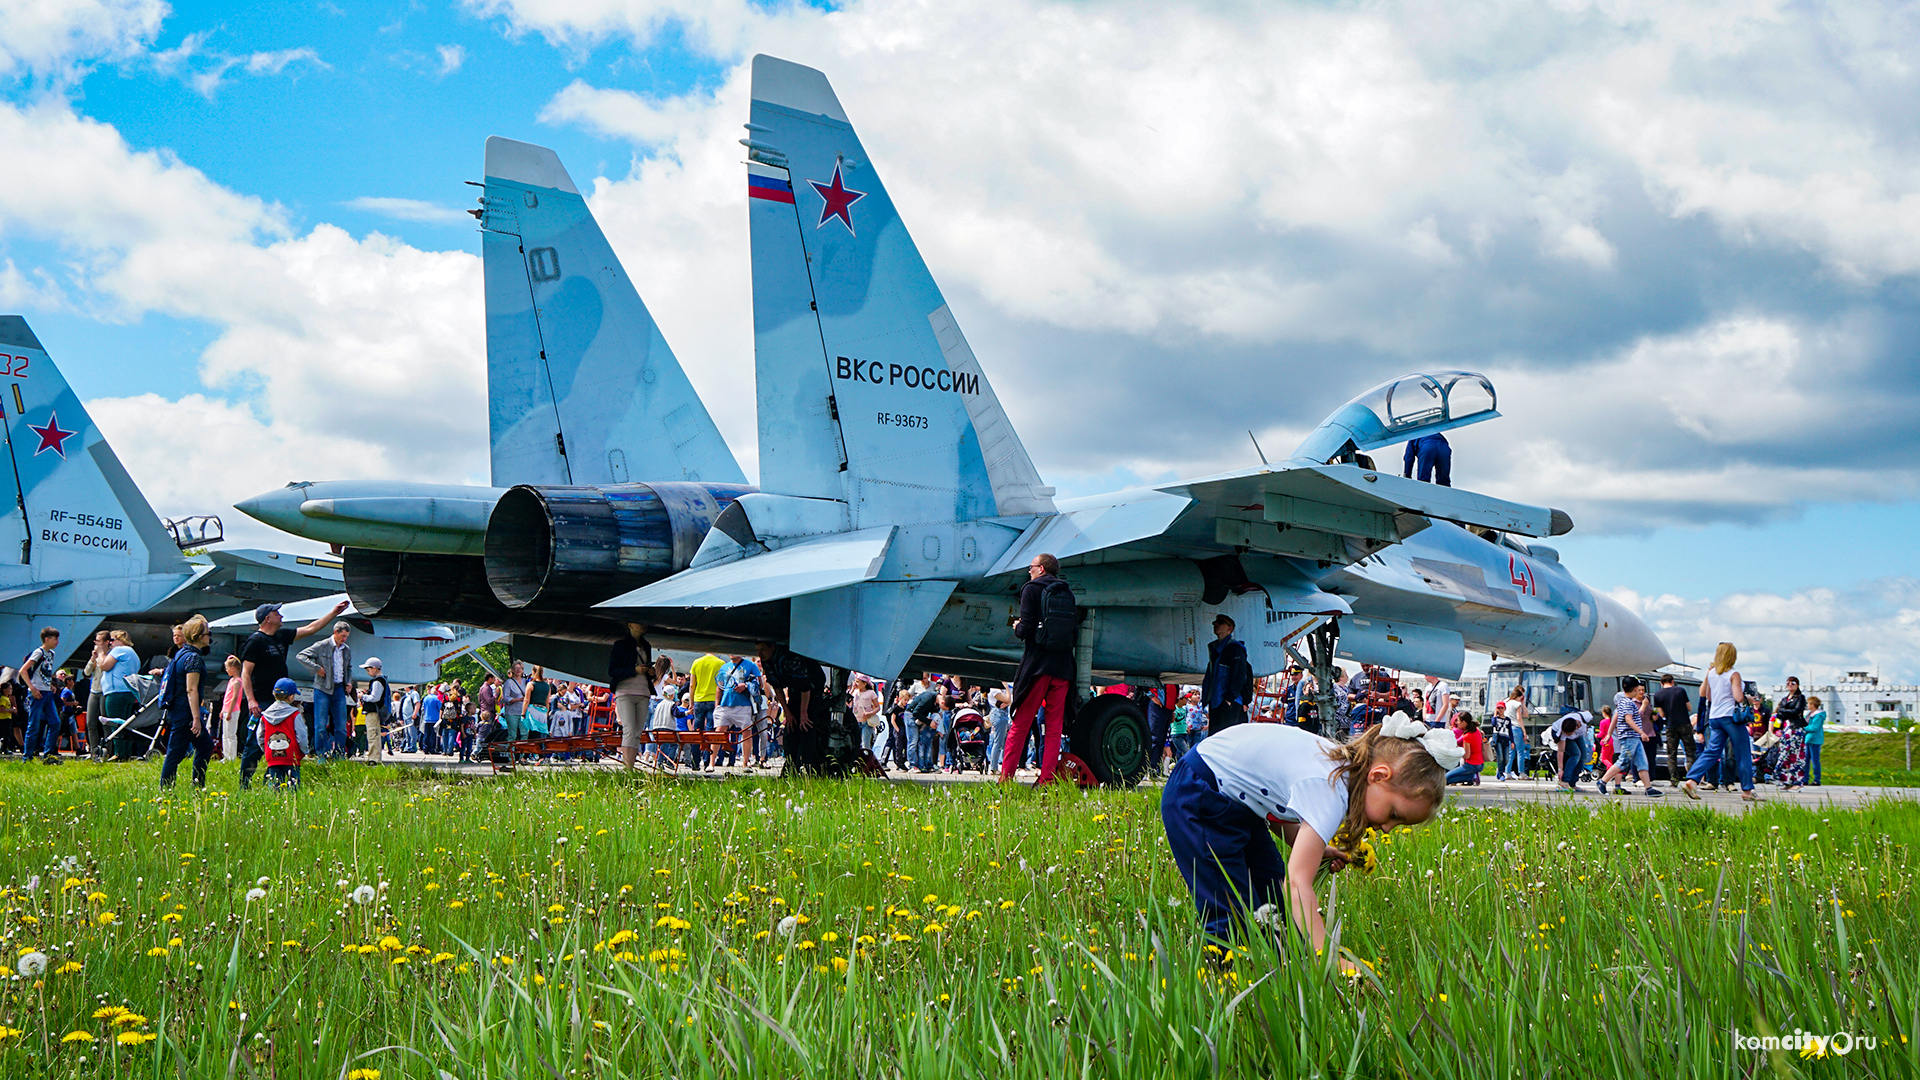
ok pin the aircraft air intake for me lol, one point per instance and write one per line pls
(554, 546)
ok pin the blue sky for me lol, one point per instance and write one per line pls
(1683, 243)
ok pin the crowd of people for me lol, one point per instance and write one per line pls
(774, 706)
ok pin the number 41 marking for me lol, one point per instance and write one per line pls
(1521, 575)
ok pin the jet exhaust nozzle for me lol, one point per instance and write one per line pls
(572, 547)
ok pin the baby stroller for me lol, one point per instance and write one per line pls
(970, 740)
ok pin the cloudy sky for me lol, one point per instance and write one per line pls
(1684, 240)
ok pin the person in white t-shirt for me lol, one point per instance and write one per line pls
(1439, 703)
(1232, 793)
(661, 719)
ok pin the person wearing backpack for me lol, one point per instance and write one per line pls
(1228, 685)
(1049, 622)
(376, 704)
(43, 715)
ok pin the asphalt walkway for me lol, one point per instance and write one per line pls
(1488, 792)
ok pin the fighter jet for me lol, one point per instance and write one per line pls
(82, 546)
(897, 508)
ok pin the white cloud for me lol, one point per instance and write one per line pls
(410, 210)
(361, 357)
(1816, 633)
(214, 438)
(52, 40)
(35, 289)
(205, 70)
(451, 57)
(1300, 201)
(576, 25)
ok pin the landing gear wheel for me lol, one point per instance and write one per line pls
(1111, 736)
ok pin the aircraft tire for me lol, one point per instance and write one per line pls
(1111, 737)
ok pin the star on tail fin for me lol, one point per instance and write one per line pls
(868, 392)
(68, 509)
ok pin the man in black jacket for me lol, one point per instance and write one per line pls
(1044, 677)
(1228, 688)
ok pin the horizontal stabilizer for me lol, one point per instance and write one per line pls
(1091, 528)
(19, 591)
(827, 563)
(1348, 500)
(872, 628)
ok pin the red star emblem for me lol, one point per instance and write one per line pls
(52, 437)
(838, 198)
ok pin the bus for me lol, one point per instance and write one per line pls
(1549, 692)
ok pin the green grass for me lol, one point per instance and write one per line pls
(981, 933)
(1876, 760)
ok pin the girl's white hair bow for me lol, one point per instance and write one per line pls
(1437, 742)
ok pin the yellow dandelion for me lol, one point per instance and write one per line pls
(363, 1074)
(9, 1033)
(108, 1012)
(390, 943)
(106, 918)
(156, 951)
(77, 1036)
(129, 1019)
(442, 957)
(67, 968)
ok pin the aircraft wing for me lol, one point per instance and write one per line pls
(809, 567)
(1348, 500)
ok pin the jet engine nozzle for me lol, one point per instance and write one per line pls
(576, 546)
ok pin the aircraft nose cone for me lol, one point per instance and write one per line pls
(279, 508)
(1622, 644)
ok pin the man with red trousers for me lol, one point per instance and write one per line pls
(1047, 624)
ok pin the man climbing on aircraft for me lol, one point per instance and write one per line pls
(1048, 623)
(1435, 457)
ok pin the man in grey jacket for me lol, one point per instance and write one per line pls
(331, 661)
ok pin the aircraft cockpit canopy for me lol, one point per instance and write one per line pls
(1409, 407)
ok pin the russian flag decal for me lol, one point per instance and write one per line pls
(766, 187)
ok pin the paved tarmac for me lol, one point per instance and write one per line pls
(1488, 792)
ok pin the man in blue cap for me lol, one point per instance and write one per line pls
(263, 662)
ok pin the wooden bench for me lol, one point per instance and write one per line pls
(604, 738)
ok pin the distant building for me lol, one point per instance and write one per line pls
(1860, 699)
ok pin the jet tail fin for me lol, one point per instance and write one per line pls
(868, 391)
(68, 508)
(581, 386)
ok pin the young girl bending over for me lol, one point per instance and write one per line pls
(1232, 790)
